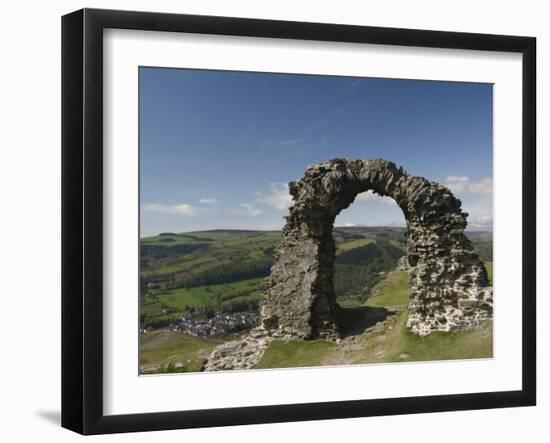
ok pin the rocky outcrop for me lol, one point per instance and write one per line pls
(447, 281)
(239, 354)
(402, 264)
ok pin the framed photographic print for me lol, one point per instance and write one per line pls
(269, 221)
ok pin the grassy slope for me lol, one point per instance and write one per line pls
(184, 265)
(389, 342)
(489, 267)
(349, 245)
(386, 342)
(394, 291)
(295, 354)
(205, 295)
(161, 352)
(223, 249)
(393, 342)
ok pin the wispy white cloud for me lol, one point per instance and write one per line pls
(179, 209)
(290, 141)
(267, 142)
(324, 121)
(466, 186)
(278, 196)
(308, 135)
(483, 219)
(278, 142)
(208, 201)
(477, 199)
(371, 197)
(250, 209)
(324, 140)
(480, 221)
(245, 133)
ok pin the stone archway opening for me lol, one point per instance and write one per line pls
(370, 270)
(448, 285)
(370, 237)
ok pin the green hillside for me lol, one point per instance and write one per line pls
(202, 273)
(199, 273)
(174, 352)
(382, 339)
(386, 340)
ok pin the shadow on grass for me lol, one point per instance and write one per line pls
(354, 321)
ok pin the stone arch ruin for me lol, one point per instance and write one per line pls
(448, 285)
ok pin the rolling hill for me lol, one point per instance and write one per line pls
(201, 274)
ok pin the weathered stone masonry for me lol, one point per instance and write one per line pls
(447, 281)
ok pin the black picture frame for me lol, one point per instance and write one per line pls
(82, 218)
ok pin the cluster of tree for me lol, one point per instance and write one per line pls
(155, 252)
(190, 237)
(363, 255)
(234, 294)
(358, 270)
(345, 235)
(243, 306)
(393, 251)
(156, 322)
(229, 273)
(354, 281)
(484, 250)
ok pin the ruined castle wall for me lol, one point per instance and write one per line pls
(448, 283)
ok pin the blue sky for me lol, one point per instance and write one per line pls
(218, 148)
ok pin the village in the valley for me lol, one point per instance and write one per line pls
(219, 324)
